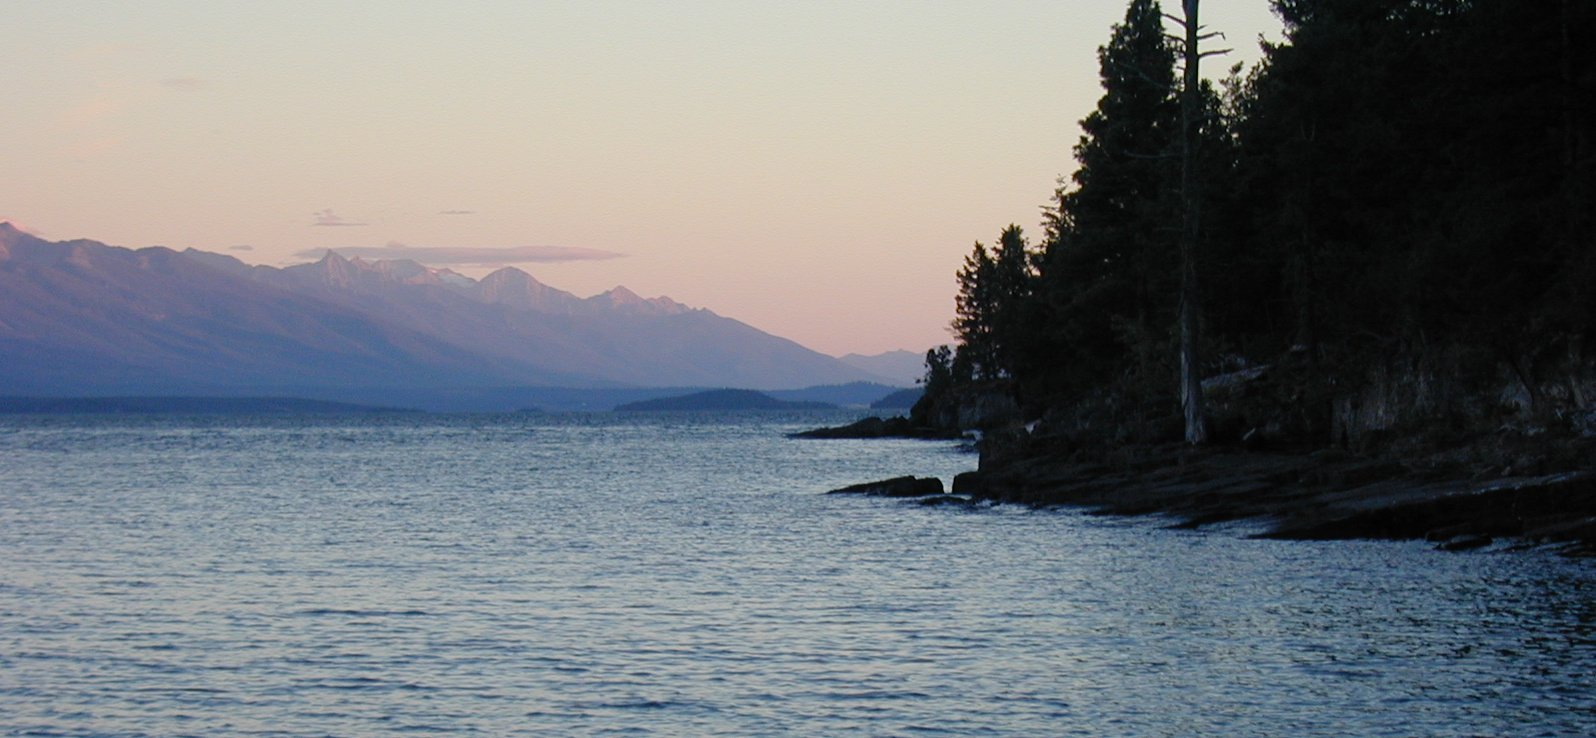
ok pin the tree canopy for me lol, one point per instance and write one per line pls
(1396, 218)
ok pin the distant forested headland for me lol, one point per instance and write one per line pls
(1381, 230)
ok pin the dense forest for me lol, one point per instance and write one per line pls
(1384, 227)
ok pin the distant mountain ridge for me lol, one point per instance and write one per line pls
(902, 367)
(184, 406)
(81, 317)
(719, 400)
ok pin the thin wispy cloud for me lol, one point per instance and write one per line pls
(457, 212)
(470, 255)
(329, 218)
(241, 247)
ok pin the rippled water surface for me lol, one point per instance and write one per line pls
(682, 576)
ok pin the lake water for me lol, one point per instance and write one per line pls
(685, 576)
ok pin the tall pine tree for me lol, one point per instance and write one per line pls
(1108, 267)
(991, 307)
(974, 311)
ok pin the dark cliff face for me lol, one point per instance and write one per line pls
(979, 407)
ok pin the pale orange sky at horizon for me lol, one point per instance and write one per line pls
(817, 170)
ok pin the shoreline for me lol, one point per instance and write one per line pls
(1453, 499)
(1318, 496)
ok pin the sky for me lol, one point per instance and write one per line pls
(816, 169)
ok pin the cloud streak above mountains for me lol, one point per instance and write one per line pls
(469, 255)
(329, 218)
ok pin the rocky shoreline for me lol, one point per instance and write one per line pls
(1321, 495)
(876, 427)
(1317, 496)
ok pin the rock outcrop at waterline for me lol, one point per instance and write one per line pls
(907, 486)
(1462, 487)
(976, 409)
(1319, 496)
(876, 427)
(923, 491)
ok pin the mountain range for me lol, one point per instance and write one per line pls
(83, 318)
(902, 367)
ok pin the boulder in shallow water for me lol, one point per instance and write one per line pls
(967, 482)
(894, 487)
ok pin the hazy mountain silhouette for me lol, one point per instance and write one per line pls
(81, 317)
(718, 399)
(904, 367)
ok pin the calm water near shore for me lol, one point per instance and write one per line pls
(682, 575)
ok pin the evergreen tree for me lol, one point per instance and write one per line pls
(938, 383)
(975, 308)
(1397, 207)
(1013, 283)
(1407, 166)
(991, 307)
(1108, 266)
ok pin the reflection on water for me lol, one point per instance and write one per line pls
(683, 576)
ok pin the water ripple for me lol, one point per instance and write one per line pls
(527, 575)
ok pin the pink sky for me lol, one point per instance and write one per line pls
(815, 169)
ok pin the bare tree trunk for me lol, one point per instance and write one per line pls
(1575, 192)
(1191, 387)
(1565, 47)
